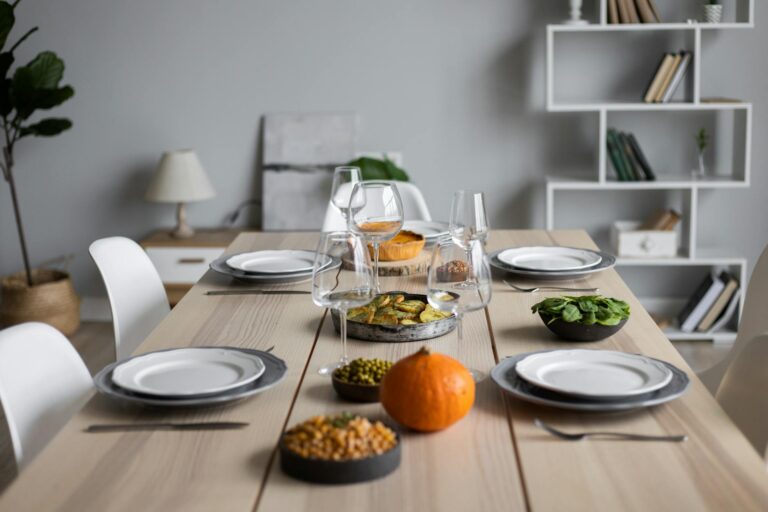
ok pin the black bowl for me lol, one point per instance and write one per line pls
(366, 393)
(575, 331)
(340, 471)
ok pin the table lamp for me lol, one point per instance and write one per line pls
(180, 179)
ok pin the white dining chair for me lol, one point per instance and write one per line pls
(43, 382)
(753, 322)
(137, 297)
(414, 205)
(743, 392)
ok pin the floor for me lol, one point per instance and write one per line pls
(94, 343)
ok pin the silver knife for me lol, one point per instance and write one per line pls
(127, 427)
(256, 292)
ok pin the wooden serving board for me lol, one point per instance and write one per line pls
(417, 265)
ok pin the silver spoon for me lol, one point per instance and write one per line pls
(554, 288)
(611, 435)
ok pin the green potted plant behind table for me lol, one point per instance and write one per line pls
(35, 294)
(713, 11)
(702, 143)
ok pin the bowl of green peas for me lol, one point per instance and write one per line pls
(359, 380)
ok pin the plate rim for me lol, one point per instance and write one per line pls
(126, 364)
(104, 385)
(543, 248)
(531, 379)
(310, 254)
(656, 398)
(609, 261)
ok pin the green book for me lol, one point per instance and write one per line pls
(613, 153)
(621, 164)
(634, 165)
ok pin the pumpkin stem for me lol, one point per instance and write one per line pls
(425, 351)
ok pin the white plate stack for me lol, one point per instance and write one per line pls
(269, 267)
(551, 262)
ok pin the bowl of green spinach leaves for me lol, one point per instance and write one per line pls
(585, 318)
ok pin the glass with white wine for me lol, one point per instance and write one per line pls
(342, 287)
(376, 213)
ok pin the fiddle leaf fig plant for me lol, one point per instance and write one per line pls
(24, 92)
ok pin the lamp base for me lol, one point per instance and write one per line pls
(182, 230)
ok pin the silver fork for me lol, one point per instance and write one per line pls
(610, 435)
(553, 288)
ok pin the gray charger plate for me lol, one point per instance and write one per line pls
(505, 376)
(274, 372)
(608, 261)
(220, 265)
(397, 333)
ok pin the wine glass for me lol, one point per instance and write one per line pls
(468, 221)
(459, 282)
(344, 179)
(375, 212)
(345, 287)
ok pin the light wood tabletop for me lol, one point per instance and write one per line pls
(493, 459)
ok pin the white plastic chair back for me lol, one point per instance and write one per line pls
(743, 392)
(43, 382)
(414, 205)
(754, 322)
(136, 294)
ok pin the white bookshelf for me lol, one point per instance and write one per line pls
(732, 174)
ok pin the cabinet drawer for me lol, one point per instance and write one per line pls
(182, 265)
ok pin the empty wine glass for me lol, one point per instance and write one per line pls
(459, 282)
(341, 287)
(344, 180)
(468, 221)
(375, 212)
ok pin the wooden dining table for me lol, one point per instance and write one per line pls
(493, 459)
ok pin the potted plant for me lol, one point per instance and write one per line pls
(36, 294)
(702, 143)
(713, 11)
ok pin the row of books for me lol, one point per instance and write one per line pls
(668, 77)
(628, 159)
(632, 11)
(713, 304)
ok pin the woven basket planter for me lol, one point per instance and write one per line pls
(713, 13)
(51, 300)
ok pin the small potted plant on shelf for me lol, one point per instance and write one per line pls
(713, 11)
(36, 294)
(702, 143)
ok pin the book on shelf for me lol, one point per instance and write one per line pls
(632, 11)
(701, 301)
(668, 77)
(627, 158)
(661, 72)
(662, 220)
(728, 314)
(722, 303)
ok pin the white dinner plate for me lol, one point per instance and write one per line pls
(596, 374)
(549, 259)
(273, 262)
(188, 372)
(427, 228)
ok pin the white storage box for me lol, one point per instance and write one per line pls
(629, 242)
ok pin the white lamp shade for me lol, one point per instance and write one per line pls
(179, 178)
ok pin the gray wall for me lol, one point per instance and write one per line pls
(457, 86)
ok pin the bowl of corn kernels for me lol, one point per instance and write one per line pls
(339, 449)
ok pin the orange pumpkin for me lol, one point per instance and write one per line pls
(427, 391)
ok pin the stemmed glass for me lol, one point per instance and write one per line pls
(375, 212)
(344, 179)
(468, 221)
(345, 287)
(459, 282)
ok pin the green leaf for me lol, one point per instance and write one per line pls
(395, 172)
(375, 169)
(44, 71)
(571, 313)
(587, 305)
(47, 127)
(589, 318)
(29, 100)
(7, 19)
